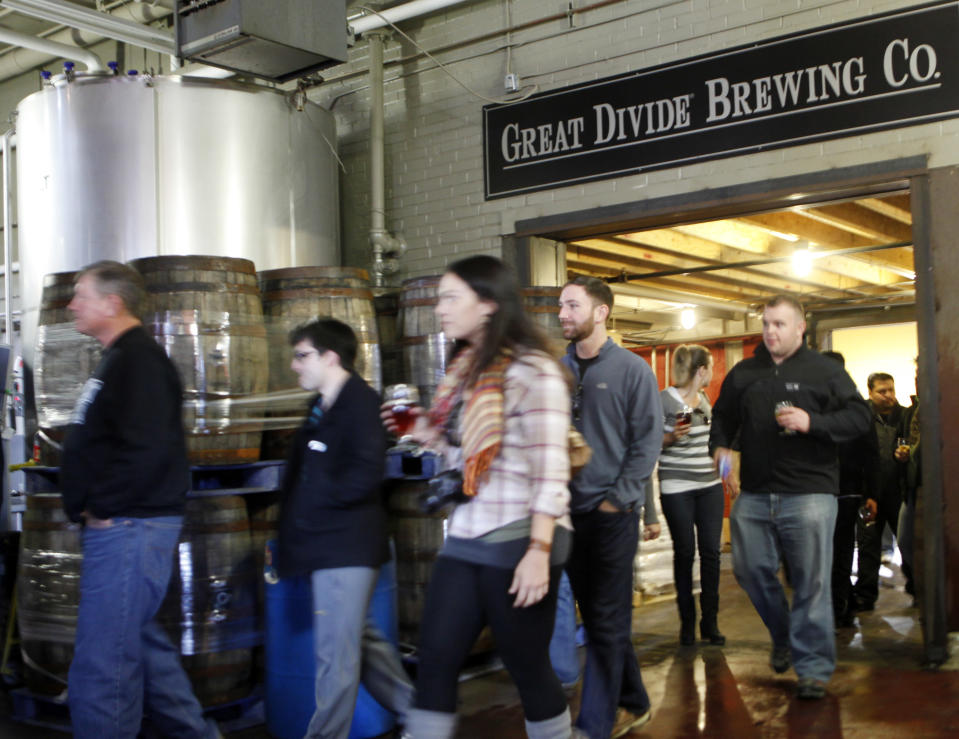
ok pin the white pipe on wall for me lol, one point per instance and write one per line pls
(16, 62)
(381, 240)
(55, 49)
(106, 24)
(399, 13)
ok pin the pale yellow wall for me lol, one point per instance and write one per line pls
(890, 348)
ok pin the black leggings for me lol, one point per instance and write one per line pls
(464, 597)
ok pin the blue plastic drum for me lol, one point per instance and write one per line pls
(290, 667)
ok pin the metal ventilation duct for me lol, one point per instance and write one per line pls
(277, 40)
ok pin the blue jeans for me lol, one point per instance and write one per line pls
(349, 647)
(124, 664)
(601, 572)
(798, 529)
(562, 647)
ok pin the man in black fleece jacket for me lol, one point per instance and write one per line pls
(789, 406)
(333, 528)
(125, 475)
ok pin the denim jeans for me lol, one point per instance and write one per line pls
(696, 515)
(797, 528)
(124, 664)
(348, 647)
(601, 572)
(562, 647)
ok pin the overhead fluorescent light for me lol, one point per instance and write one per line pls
(687, 318)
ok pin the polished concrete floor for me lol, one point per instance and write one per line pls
(879, 689)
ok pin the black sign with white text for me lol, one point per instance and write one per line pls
(897, 69)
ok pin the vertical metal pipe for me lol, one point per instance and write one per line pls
(8, 141)
(377, 157)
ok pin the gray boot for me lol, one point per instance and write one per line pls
(557, 727)
(422, 724)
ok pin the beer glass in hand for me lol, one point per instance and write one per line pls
(684, 420)
(781, 406)
(400, 400)
(901, 452)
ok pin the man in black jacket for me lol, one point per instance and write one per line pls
(125, 475)
(790, 407)
(333, 528)
(887, 417)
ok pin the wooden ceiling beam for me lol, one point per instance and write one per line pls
(731, 286)
(843, 268)
(833, 237)
(862, 221)
(897, 207)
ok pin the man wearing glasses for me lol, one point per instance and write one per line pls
(333, 528)
(616, 406)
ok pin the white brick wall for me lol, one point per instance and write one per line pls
(433, 126)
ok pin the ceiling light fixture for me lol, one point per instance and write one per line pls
(687, 318)
(802, 262)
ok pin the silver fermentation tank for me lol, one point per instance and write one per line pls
(121, 167)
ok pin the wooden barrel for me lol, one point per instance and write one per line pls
(292, 297)
(210, 606)
(387, 307)
(425, 346)
(264, 512)
(209, 609)
(206, 313)
(542, 305)
(418, 538)
(63, 361)
(48, 592)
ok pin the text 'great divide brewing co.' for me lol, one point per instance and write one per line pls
(901, 69)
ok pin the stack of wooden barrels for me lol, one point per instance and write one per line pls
(226, 328)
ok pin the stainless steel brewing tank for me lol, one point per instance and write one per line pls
(138, 166)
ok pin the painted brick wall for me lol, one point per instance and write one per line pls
(433, 126)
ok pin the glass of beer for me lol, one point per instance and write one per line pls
(400, 399)
(684, 416)
(781, 406)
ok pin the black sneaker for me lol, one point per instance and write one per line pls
(779, 659)
(845, 620)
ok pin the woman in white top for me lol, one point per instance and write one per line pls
(691, 491)
(502, 416)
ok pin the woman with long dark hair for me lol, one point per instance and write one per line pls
(501, 416)
(691, 492)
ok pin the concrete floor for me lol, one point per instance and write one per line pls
(878, 691)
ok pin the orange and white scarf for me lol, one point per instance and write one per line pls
(483, 416)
